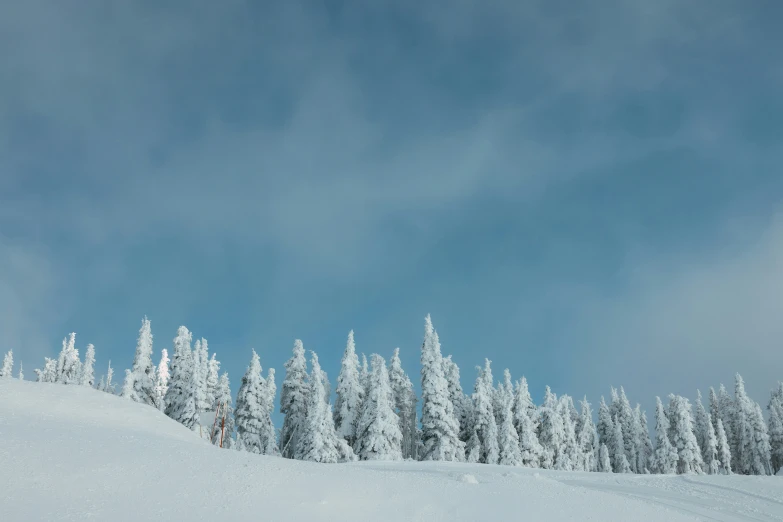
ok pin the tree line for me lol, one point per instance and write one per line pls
(375, 415)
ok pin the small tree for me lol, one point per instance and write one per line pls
(8, 365)
(224, 429)
(88, 368)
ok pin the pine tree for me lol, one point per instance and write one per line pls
(188, 414)
(665, 457)
(378, 435)
(715, 413)
(604, 464)
(587, 438)
(473, 446)
(252, 414)
(48, 374)
(201, 362)
(459, 400)
(776, 433)
(682, 437)
(8, 365)
(21, 371)
(318, 441)
(88, 368)
(404, 405)
(700, 430)
(622, 413)
(213, 378)
(440, 430)
(128, 385)
(350, 393)
(570, 456)
(605, 428)
(529, 446)
(551, 433)
(108, 386)
(510, 453)
(728, 415)
(484, 415)
(139, 382)
(293, 400)
(724, 453)
(162, 380)
(753, 448)
(269, 436)
(225, 422)
(644, 447)
(181, 374)
(621, 464)
(710, 449)
(69, 367)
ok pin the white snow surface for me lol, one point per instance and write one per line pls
(73, 453)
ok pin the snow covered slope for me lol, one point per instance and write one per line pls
(72, 453)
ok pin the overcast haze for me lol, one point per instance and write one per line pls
(586, 193)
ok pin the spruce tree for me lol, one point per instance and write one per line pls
(378, 435)
(252, 415)
(715, 413)
(224, 428)
(141, 386)
(570, 456)
(88, 368)
(605, 428)
(621, 464)
(587, 438)
(753, 448)
(682, 437)
(523, 402)
(188, 414)
(162, 380)
(108, 386)
(510, 453)
(776, 433)
(268, 434)
(644, 447)
(484, 415)
(724, 452)
(700, 419)
(523, 408)
(551, 433)
(181, 374)
(69, 367)
(459, 400)
(213, 378)
(293, 400)
(7, 369)
(201, 362)
(664, 459)
(440, 430)
(710, 449)
(21, 371)
(604, 464)
(350, 393)
(49, 373)
(317, 442)
(404, 405)
(728, 415)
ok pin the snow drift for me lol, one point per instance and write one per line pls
(73, 453)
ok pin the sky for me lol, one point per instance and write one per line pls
(589, 194)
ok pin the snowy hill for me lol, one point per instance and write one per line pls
(73, 453)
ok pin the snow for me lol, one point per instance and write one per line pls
(73, 453)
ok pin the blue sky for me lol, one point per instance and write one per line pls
(586, 193)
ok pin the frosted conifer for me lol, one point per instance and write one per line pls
(293, 400)
(378, 435)
(682, 437)
(181, 372)
(21, 371)
(8, 365)
(724, 453)
(404, 405)
(462, 408)
(252, 415)
(621, 464)
(484, 415)
(69, 367)
(350, 393)
(587, 438)
(318, 441)
(223, 406)
(710, 449)
(440, 430)
(552, 433)
(508, 439)
(162, 380)
(213, 378)
(88, 368)
(664, 459)
(776, 433)
(604, 464)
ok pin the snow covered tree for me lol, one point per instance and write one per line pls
(776, 433)
(700, 429)
(753, 448)
(201, 362)
(364, 375)
(462, 408)
(162, 380)
(21, 371)
(508, 439)
(621, 464)
(108, 385)
(570, 457)
(8, 365)
(293, 400)
(255, 432)
(728, 415)
(88, 368)
(213, 378)
(644, 449)
(473, 446)
(69, 367)
(689, 459)
(710, 449)
(318, 441)
(587, 438)
(622, 413)
(378, 435)
(223, 406)
(715, 413)
(664, 459)
(484, 415)
(440, 429)
(530, 449)
(188, 414)
(605, 427)
(552, 433)
(350, 393)
(140, 381)
(181, 374)
(604, 464)
(724, 453)
(404, 405)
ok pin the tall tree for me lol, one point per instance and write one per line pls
(724, 452)
(350, 393)
(378, 435)
(293, 400)
(776, 433)
(318, 441)
(224, 428)
(461, 402)
(213, 380)
(252, 415)
(753, 448)
(181, 375)
(552, 433)
(664, 459)
(689, 459)
(88, 368)
(142, 386)
(587, 438)
(404, 405)
(508, 439)
(728, 415)
(644, 449)
(605, 428)
(440, 430)
(710, 449)
(8, 365)
(484, 415)
(700, 430)
(162, 380)
(570, 457)
(621, 464)
(523, 408)
(69, 367)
